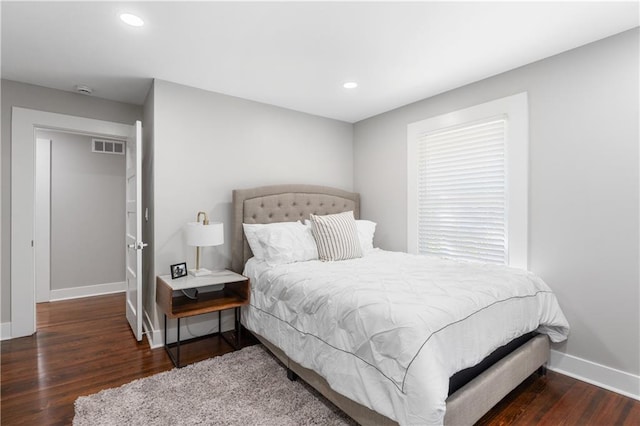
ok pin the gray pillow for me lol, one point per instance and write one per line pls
(336, 236)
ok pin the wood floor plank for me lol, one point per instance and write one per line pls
(82, 346)
(85, 345)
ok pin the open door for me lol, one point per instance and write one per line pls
(133, 231)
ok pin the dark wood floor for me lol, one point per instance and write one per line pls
(85, 345)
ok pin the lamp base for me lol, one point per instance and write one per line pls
(199, 272)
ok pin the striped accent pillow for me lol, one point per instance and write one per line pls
(336, 236)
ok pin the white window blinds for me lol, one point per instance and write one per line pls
(461, 192)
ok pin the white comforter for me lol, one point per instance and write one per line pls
(389, 329)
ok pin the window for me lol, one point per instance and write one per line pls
(467, 183)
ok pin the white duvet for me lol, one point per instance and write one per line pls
(389, 329)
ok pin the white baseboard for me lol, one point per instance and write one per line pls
(154, 336)
(5, 331)
(87, 291)
(618, 381)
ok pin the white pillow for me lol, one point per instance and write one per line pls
(250, 231)
(287, 244)
(366, 230)
(281, 242)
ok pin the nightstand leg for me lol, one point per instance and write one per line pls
(237, 337)
(178, 345)
(238, 328)
(175, 361)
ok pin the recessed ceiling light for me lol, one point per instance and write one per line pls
(350, 85)
(83, 89)
(133, 20)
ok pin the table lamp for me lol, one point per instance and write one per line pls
(203, 234)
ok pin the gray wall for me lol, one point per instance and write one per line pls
(207, 144)
(583, 199)
(50, 100)
(87, 212)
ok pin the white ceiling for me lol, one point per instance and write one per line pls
(295, 55)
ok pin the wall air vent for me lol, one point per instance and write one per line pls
(105, 146)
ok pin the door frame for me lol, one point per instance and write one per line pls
(24, 123)
(42, 220)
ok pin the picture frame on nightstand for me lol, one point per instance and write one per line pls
(178, 270)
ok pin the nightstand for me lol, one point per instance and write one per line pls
(211, 298)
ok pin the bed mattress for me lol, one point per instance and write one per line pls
(389, 329)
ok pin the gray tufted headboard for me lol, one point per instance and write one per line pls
(283, 203)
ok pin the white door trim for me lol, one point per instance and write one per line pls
(43, 220)
(24, 122)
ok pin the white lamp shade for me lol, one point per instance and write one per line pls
(200, 235)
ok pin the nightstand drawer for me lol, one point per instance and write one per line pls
(176, 305)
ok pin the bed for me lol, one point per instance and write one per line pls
(380, 392)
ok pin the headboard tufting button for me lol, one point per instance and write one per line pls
(270, 215)
(308, 203)
(286, 215)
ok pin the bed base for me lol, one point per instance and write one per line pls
(464, 407)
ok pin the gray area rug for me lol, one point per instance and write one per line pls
(247, 387)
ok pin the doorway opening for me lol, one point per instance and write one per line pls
(79, 220)
(24, 123)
